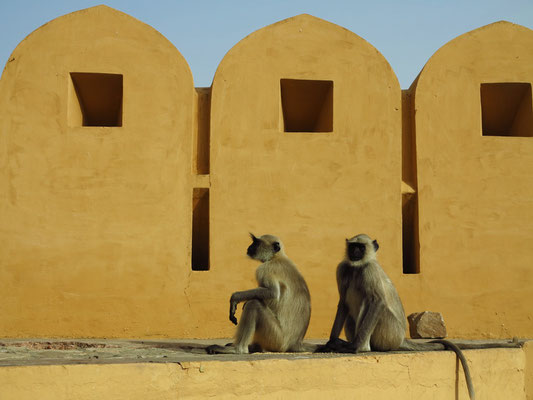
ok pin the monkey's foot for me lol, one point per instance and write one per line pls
(216, 349)
(231, 349)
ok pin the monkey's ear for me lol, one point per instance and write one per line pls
(276, 247)
(376, 245)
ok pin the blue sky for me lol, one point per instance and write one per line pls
(406, 32)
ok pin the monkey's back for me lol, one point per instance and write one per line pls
(293, 307)
(390, 330)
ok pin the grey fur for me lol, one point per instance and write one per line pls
(371, 311)
(276, 314)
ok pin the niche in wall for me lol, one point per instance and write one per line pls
(200, 229)
(410, 244)
(95, 99)
(306, 105)
(506, 109)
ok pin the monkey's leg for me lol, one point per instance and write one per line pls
(365, 328)
(389, 332)
(259, 322)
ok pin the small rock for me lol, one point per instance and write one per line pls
(426, 325)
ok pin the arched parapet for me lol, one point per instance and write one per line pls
(96, 129)
(305, 144)
(488, 71)
(474, 148)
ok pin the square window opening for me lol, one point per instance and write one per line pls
(306, 105)
(506, 109)
(95, 99)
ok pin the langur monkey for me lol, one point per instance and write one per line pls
(370, 309)
(276, 314)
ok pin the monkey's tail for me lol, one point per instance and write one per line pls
(464, 363)
(408, 345)
(438, 344)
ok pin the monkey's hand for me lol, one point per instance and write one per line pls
(333, 346)
(232, 310)
(323, 349)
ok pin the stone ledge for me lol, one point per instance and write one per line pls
(496, 373)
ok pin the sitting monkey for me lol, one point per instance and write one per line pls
(370, 309)
(276, 314)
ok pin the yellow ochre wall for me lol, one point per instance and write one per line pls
(475, 192)
(96, 222)
(304, 187)
(496, 374)
(94, 225)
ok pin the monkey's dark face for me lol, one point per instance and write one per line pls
(264, 248)
(356, 251)
(360, 248)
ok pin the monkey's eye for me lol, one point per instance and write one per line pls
(356, 246)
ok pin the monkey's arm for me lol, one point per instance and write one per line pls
(343, 276)
(340, 318)
(335, 344)
(261, 293)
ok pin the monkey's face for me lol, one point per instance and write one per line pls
(263, 248)
(359, 247)
(356, 251)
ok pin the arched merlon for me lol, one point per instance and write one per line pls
(305, 136)
(95, 192)
(475, 186)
